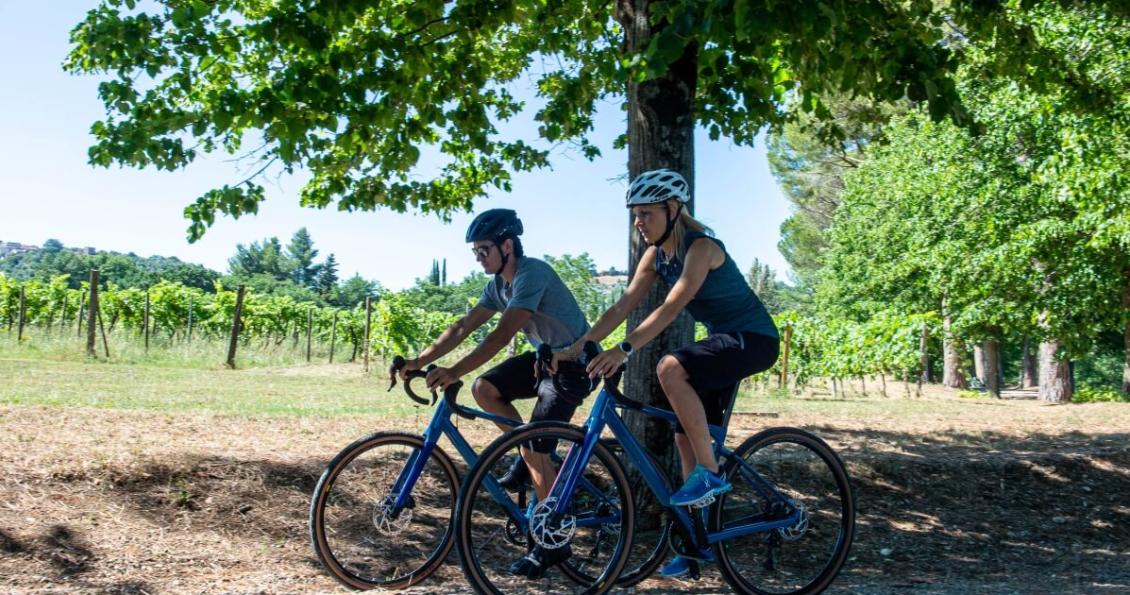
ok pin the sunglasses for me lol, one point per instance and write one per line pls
(482, 251)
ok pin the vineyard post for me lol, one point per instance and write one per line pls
(309, 329)
(81, 312)
(22, 315)
(190, 318)
(785, 358)
(63, 316)
(333, 337)
(102, 328)
(235, 327)
(368, 327)
(145, 322)
(92, 315)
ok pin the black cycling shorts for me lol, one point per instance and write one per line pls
(716, 364)
(514, 379)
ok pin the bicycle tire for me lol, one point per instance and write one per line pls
(649, 549)
(805, 469)
(480, 525)
(361, 546)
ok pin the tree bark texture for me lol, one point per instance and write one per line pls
(979, 362)
(952, 374)
(660, 135)
(1055, 374)
(992, 352)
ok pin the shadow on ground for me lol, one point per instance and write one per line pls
(948, 512)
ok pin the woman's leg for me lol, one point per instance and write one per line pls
(688, 408)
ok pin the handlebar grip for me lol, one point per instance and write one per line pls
(612, 385)
(450, 395)
(411, 394)
(589, 351)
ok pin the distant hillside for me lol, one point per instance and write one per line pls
(124, 270)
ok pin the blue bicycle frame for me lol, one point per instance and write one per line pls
(441, 425)
(604, 415)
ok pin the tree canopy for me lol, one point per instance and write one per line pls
(356, 91)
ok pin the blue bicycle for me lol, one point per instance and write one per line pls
(383, 511)
(786, 526)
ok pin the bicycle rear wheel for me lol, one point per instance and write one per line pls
(357, 534)
(805, 556)
(597, 526)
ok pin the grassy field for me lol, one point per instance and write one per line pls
(146, 477)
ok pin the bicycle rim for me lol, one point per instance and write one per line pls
(356, 534)
(650, 533)
(487, 543)
(803, 557)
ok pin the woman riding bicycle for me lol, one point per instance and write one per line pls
(698, 379)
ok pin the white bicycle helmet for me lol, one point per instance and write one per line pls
(658, 185)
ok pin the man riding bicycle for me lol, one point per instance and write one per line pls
(532, 298)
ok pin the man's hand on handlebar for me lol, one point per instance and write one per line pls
(410, 366)
(441, 378)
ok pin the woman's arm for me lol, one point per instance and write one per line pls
(618, 312)
(701, 258)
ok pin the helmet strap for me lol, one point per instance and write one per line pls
(670, 224)
(504, 256)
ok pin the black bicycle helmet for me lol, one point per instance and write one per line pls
(494, 225)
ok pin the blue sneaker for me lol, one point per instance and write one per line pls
(700, 488)
(680, 565)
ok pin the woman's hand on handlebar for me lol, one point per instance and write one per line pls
(441, 378)
(606, 363)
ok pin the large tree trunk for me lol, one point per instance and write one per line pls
(979, 363)
(1055, 374)
(953, 375)
(660, 134)
(1029, 377)
(992, 377)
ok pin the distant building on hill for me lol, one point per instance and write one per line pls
(7, 248)
(610, 278)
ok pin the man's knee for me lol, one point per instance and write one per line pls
(670, 370)
(485, 392)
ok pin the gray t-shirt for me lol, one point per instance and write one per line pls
(557, 318)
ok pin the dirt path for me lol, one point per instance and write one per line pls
(1007, 497)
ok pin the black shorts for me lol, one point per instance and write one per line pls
(716, 364)
(514, 379)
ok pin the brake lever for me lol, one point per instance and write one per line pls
(398, 363)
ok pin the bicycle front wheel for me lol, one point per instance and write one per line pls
(596, 527)
(651, 532)
(359, 534)
(777, 473)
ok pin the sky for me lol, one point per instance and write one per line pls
(50, 191)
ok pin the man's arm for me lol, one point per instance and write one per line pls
(453, 335)
(618, 312)
(513, 319)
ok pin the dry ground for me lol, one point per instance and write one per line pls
(980, 496)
